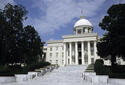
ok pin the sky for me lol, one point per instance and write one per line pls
(54, 18)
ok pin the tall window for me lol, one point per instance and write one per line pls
(56, 54)
(50, 54)
(51, 49)
(62, 61)
(62, 54)
(56, 61)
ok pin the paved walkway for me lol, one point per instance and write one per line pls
(69, 75)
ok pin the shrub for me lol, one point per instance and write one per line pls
(98, 66)
(118, 72)
(106, 70)
(32, 67)
(10, 70)
(17, 69)
(5, 71)
(119, 69)
(117, 75)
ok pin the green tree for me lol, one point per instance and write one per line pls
(113, 42)
(32, 46)
(3, 38)
(14, 17)
(18, 44)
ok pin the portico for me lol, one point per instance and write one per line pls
(83, 52)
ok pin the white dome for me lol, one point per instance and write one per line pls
(82, 22)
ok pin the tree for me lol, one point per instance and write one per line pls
(18, 44)
(3, 38)
(32, 47)
(113, 42)
(14, 16)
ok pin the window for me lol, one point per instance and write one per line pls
(62, 61)
(50, 49)
(89, 30)
(79, 31)
(50, 54)
(62, 54)
(50, 61)
(56, 54)
(56, 61)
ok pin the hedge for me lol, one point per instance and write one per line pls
(17, 69)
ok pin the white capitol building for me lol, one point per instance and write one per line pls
(79, 48)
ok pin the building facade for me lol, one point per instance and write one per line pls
(76, 49)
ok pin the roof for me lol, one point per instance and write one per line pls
(54, 41)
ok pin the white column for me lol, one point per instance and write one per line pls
(67, 53)
(82, 52)
(95, 51)
(76, 53)
(70, 49)
(82, 31)
(89, 56)
(64, 53)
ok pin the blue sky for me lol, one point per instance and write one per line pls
(54, 18)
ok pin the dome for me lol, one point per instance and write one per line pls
(82, 22)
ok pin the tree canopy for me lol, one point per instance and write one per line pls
(32, 44)
(113, 42)
(18, 44)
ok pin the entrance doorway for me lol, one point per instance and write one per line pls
(80, 61)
